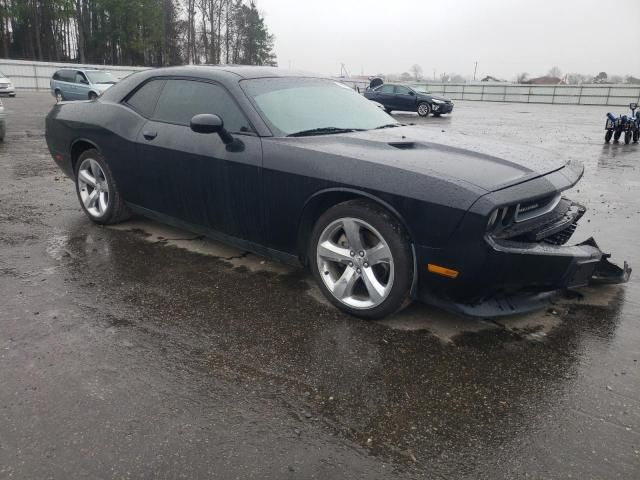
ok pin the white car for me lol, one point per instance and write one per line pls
(3, 123)
(6, 86)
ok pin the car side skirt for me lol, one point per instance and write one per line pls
(239, 243)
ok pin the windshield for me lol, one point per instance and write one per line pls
(100, 77)
(292, 105)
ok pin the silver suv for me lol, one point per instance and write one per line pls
(72, 84)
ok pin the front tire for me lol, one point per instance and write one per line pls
(361, 258)
(59, 96)
(616, 135)
(608, 135)
(97, 190)
(627, 137)
(424, 109)
(636, 136)
(93, 95)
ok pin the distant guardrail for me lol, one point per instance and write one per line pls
(35, 76)
(606, 95)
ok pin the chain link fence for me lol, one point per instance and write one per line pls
(608, 95)
(35, 76)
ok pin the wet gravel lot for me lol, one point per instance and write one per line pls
(141, 351)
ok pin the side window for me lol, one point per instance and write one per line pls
(66, 75)
(402, 90)
(182, 99)
(144, 99)
(386, 89)
(80, 78)
(56, 76)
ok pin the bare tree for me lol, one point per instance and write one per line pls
(522, 77)
(416, 70)
(555, 72)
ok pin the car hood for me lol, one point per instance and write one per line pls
(487, 164)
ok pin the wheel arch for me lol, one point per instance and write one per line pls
(321, 201)
(78, 147)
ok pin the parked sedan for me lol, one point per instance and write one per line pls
(406, 99)
(72, 84)
(6, 86)
(306, 171)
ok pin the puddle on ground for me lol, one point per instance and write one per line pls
(534, 326)
(166, 235)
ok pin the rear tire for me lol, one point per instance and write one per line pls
(361, 258)
(616, 135)
(608, 135)
(627, 137)
(636, 136)
(424, 109)
(97, 190)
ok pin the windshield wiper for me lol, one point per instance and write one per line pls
(324, 131)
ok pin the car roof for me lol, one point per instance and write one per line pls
(227, 75)
(241, 71)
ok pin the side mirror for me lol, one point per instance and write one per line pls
(411, 93)
(209, 123)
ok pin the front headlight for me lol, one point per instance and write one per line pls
(437, 101)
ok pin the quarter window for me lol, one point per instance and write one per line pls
(144, 99)
(182, 99)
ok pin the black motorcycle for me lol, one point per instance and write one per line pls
(629, 125)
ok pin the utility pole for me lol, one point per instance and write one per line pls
(434, 73)
(475, 70)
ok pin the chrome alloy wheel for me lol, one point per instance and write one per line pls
(93, 187)
(423, 109)
(355, 263)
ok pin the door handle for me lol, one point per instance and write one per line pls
(149, 135)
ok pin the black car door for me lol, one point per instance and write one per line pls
(404, 98)
(385, 96)
(196, 178)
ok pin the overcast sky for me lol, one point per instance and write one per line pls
(505, 36)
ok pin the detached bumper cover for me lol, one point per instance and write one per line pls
(521, 272)
(529, 276)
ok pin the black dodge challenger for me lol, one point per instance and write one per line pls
(306, 171)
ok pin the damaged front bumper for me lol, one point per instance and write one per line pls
(525, 266)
